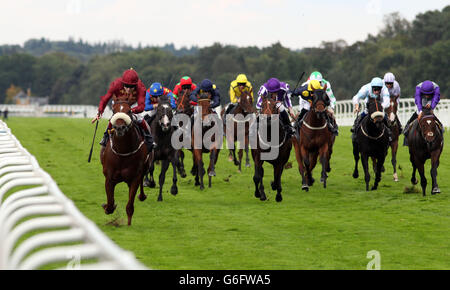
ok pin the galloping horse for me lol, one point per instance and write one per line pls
(425, 141)
(371, 140)
(214, 149)
(314, 140)
(183, 107)
(162, 130)
(395, 125)
(268, 108)
(245, 108)
(125, 158)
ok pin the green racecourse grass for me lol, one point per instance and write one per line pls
(226, 227)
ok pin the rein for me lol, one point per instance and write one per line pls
(269, 145)
(371, 137)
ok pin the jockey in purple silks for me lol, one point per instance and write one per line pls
(282, 94)
(427, 96)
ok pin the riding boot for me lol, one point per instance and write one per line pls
(148, 138)
(301, 117)
(332, 125)
(230, 108)
(356, 125)
(284, 117)
(105, 138)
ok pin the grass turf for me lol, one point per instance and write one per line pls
(226, 227)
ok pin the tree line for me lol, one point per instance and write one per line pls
(78, 73)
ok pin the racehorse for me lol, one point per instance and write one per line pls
(371, 140)
(395, 126)
(313, 140)
(425, 141)
(269, 109)
(214, 149)
(183, 107)
(125, 158)
(162, 130)
(245, 108)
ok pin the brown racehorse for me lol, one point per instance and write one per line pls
(183, 107)
(125, 158)
(244, 108)
(314, 140)
(425, 141)
(214, 149)
(395, 126)
(284, 146)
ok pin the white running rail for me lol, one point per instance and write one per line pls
(59, 232)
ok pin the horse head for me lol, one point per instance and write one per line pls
(320, 102)
(376, 113)
(121, 120)
(391, 111)
(428, 126)
(204, 101)
(269, 105)
(245, 102)
(164, 115)
(183, 104)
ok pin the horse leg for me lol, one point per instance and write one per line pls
(394, 148)
(434, 165)
(247, 159)
(142, 195)
(413, 175)
(211, 168)
(356, 157)
(324, 160)
(200, 169)
(278, 171)
(230, 155)
(303, 164)
(109, 207)
(312, 164)
(423, 179)
(150, 182)
(240, 154)
(132, 189)
(261, 184)
(174, 188)
(180, 161)
(365, 164)
(162, 177)
(379, 168)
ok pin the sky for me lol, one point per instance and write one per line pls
(295, 24)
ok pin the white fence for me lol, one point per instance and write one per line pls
(70, 111)
(49, 217)
(345, 117)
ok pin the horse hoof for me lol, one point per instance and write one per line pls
(355, 174)
(435, 190)
(414, 181)
(160, 198)
(395, 177)
(311, 182)
(183, 174)
(109, 210)
(236, 163)
(374, 188)
(247, 165)
(142, 197)
(305, 188)
(278, 198)
(230, 158)
(146, 183)
(202, 187)
(152, 184)
(382, 169)
(263, 197)
(257, 194)
(272, 184)
(212, 173)
(174, 190)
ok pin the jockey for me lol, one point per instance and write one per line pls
(184, 84)
(315, 75)
(237, 87)
(427, 95)
(282, 93)
(374, 89)
(152, 98)
(394, 89)
(206, 86)
(306, 91)
(129, 85)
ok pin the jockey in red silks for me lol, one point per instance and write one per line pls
(129, 85)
